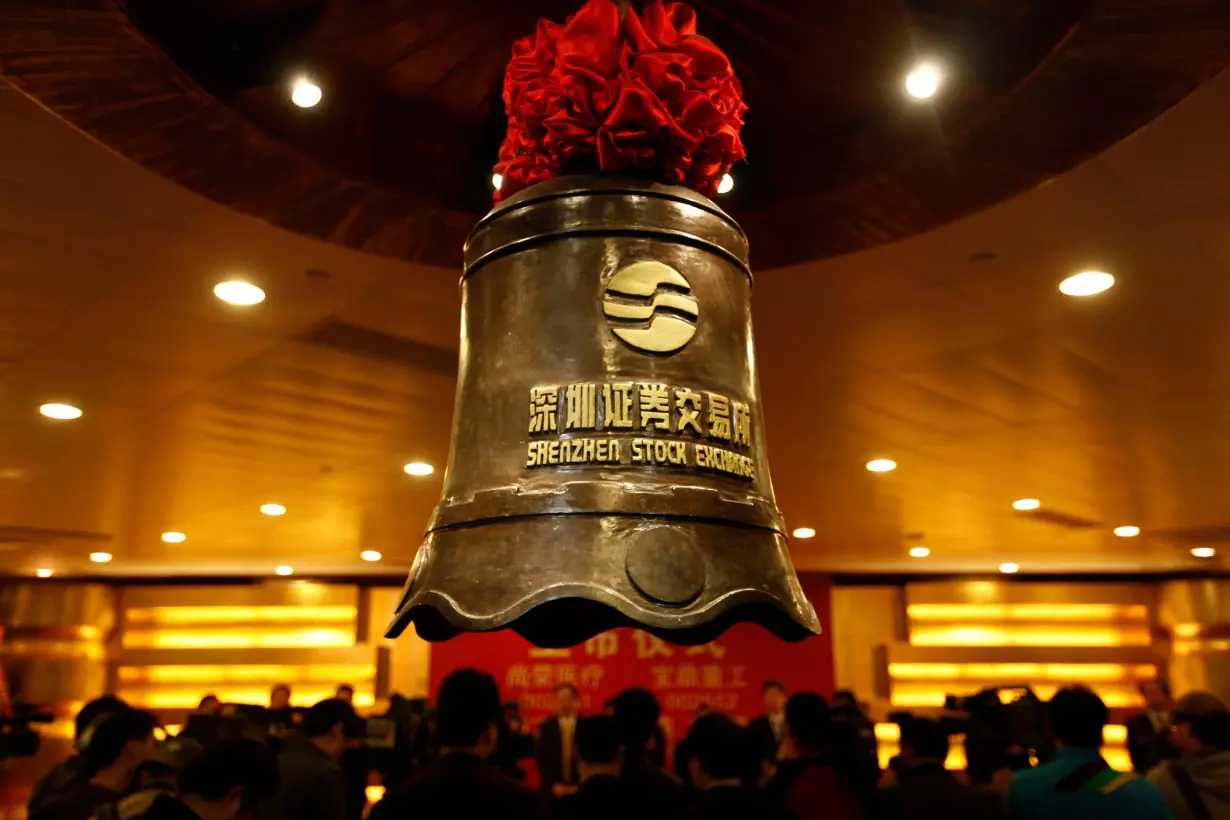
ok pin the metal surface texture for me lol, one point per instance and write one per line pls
(608, 463)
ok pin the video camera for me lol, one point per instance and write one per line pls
(1004, 727)
(18, 738)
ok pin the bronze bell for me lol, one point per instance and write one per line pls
(608, 463)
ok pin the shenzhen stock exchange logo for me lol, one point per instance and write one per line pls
(650, 307)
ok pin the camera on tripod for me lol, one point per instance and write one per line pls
(1004, 727)
(18, 737)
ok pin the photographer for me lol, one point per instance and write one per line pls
(925, 790)
(225, 782)
(68, 775)
(116, 747)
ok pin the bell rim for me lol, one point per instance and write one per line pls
(702, 625)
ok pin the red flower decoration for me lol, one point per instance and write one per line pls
(645, 95)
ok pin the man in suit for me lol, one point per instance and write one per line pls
(636, 715)
(1147, 734)
(765, 732)
(814, 780)
(603, 794)
(313, 786)
(557, 753)
(717, 750)
(462, 784)
(926, 790)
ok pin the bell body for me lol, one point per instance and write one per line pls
(608, 463)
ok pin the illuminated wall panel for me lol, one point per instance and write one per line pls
(176, 644)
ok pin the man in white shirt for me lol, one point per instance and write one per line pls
(765, 732)
(557, 757)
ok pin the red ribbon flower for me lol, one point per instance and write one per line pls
(645, 95)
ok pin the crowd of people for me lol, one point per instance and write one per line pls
(805, 758)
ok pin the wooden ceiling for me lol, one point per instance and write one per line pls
(951, 352)
(397, 158)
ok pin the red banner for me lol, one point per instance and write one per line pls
(725, 675)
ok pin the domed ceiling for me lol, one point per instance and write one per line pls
(397, 157)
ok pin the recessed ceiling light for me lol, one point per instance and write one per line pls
(1008, 567)
(284, 570)
(881, 465)
(239, 293)
(726, 184)
(804, 532)
(370, 555)
(305, 93)
(64, 412)
(1086, 283)
(174, 537)
(419, 468)
(100, 557)
(923, 81)
(1026, 504)
(273, 509)
(1127, 532)
(920, 551)
(43, 572)
(497, 181)
(1203, 552)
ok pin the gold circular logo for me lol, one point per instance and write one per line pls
(650, 307)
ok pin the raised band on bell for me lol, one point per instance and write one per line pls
(608, 463)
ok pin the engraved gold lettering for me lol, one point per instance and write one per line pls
(601, 448)
(617, 404)
(743, 424)
(553, 452)
(544, 409)
(587, 450)
(719, 417)
(532, 456)
(655, 407)
(687, 403)
(638, 451)
(580, 407)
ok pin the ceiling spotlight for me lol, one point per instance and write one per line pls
(497, 181)
(419, 468)
(726, 184)
(1127, 532)
(1008, 567)
(881, 465)
(174, 537)
(1086, 283)
(923, 81)
(1203, 552)
(920, 551)
(43, 572)
(284, 570)
(370, 555)
(100, 557)
(273, 509)
(1026, 504)
(305, 93)
(239, 293)
(64, 412)
(804, 532)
